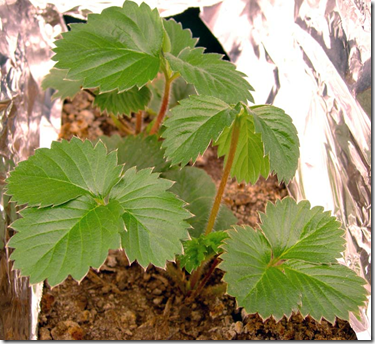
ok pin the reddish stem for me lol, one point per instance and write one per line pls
(163, 107)
(224, 179)
(196, 274)
(203, 282)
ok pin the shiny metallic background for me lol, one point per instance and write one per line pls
(312, 58)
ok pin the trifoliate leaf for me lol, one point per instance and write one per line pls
(153, 217)
(64, 172)
(139, 151)
(117, 49)
(178, 37)
(290, 265)
(124, 103)
(256, 287)
(249, 161)
(196, 188)
(55, 242)
(211, 75)
(193, 125)
(303, 233)
(201, 248)
(280, 139)
(56, 79)
(180, 89)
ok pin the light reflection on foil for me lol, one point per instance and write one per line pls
(313, 59)
(81, 10)
(26, 36)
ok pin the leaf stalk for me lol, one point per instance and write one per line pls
(163, 107)
(226, 173)
(165, 102)
(196, 274)
(197, 289)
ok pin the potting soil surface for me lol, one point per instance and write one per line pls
(126, 302)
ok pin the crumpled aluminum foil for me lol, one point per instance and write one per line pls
(313, 59)
(28, 120)
(81, 10)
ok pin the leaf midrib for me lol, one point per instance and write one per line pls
(65, 182)
(53, 248)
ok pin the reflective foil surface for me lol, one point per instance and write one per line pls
(81, 9)
(310, 57)
(26, 35)
(313, 59)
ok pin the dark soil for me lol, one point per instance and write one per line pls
(124, 302)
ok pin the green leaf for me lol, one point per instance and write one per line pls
(111, 142)
(153, 217)
(180, 89)
(214, 240)
(117, 49)
(303, 233)
(90, 208)
(257, 288)
(179, 38)
(142, 152)
(193, 125)
(333, 289)
(56, 79)
(249, 160)
(201, 248)
(290, 265)
(211, 75)
(54, 242)
(279, 137)
(123, 103)
(196, 188)
(64, 172)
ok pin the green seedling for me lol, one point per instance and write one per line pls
(137, 194)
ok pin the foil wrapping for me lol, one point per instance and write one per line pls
(26, 115)
(313, 59)
(82, 9)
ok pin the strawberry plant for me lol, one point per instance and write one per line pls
(84, 199)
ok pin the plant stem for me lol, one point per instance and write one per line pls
(139, 121)
(121, 125)
(224, 179)
(196, 274)
(169, 78)
(163, 107)
(203, 282)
